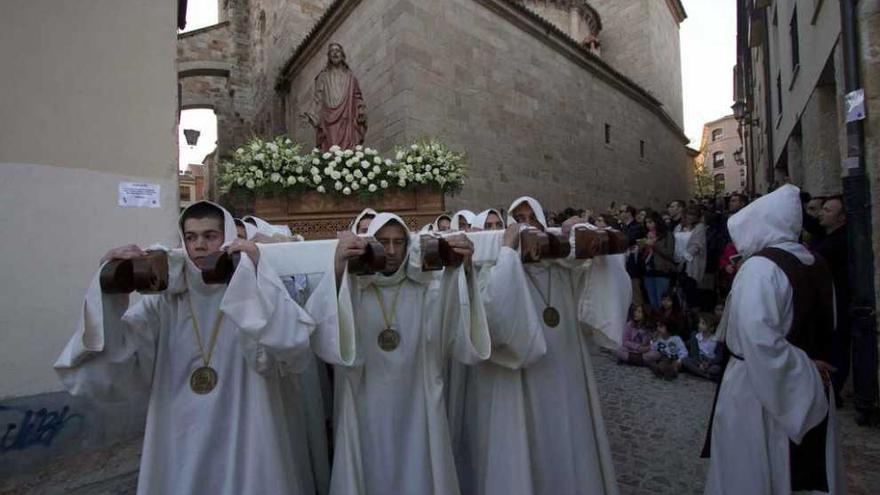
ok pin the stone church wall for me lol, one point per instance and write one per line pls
(531, 112)
(641, 39)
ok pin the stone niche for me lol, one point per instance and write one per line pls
(576, 18)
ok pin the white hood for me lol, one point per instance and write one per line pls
(468, 217)
(536, 207)
(266, 228)
(382, 219)
(773, 219)
(354, 224)
(436, 224)
(480, 220)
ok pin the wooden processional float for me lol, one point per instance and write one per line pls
(150, 273)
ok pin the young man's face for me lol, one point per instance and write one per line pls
(524, 214)
(241, 232)
(736, 203)
(493, 222)
(202, 236)
(393, 238)
(832, 215)
(364, 224)
(674, 209)
(443, 224)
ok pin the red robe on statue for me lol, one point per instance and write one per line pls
(338, 112)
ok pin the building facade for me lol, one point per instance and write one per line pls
(89, 105)
(543, 95)
(722, 156)
(798, 63)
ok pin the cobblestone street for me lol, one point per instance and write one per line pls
(656, 429)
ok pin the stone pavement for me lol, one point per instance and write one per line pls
(656, 430)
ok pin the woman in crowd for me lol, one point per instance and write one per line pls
(690, 254)
(657, 254)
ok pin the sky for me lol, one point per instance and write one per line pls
(708, 54)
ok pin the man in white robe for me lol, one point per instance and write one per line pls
(462, 220)
(564, 442)
(392, 434)
(229, 438)
(772, 393)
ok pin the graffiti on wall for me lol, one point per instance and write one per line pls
(34, 428)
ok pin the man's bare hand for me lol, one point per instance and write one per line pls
(247, 247)
(825, 371)
(511, 236)
(461, 245)
(571, 222)
(128, 252)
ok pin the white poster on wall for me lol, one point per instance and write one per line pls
(139, 195)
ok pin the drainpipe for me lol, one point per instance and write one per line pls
(857, 201)
(768, 103)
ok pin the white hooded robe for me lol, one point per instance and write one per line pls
(775, 394)
(392, 434)
(232, 440)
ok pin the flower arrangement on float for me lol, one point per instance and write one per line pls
(277, 166)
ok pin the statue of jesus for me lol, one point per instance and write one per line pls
(337, 112)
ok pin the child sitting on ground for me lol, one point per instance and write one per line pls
(670, 310)
(705, 356)
(636, 337)
(667, 351)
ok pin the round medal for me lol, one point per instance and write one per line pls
(551, 316)
(203, 380)
(389, 339)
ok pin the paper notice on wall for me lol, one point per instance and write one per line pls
(139, 195)
(855, 105)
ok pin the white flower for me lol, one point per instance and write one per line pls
(275, 177)
(314, 171)
(371, 176)
(321, 189)
(355, 186)
(338, 153)
(358, 174)
(249, 184)
(377, 160)
(259, 157)
(419, 160)
(349, 178)
(291, 180)
(337, 186)
(258, 174)
(359, 155)
(365, 164)
(328, 170)
(335, 175)
(358, 147)
(348, 153)
(410, 159)
(287, 141)
(255, 146)
(365, 181)
(316, 161)
(388, 162)
(346, 191)
(399, 155)
(384, 184)
(414, 147)
(335, 148)
(372, 188)
(315, 151)
(326, 156)
(302, 179)
(436, 171)
(240, 151)
(298, 170)
(316, 179)
(401, 183)
(273, 147)
(427, 168)
(377, 169)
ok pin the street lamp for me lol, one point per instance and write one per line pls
(192, 136)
